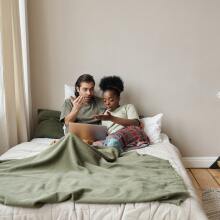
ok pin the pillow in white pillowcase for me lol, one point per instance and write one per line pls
(69, 91)
(152, 127)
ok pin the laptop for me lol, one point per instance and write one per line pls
(89, 132)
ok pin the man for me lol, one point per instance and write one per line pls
(85, 105)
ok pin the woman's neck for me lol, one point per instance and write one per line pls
(115, 108)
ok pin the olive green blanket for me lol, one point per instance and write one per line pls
(73, 170)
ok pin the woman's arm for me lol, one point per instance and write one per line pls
(124, 121)
(118, 120)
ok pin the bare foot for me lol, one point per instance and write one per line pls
(87, 141)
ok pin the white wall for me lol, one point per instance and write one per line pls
(167, 52)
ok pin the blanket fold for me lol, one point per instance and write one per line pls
(71, 169)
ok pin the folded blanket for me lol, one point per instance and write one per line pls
(71, 169)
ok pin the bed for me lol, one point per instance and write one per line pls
(189, 209)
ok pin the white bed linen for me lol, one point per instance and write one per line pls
(190, 209)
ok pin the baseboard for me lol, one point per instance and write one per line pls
(198, 162)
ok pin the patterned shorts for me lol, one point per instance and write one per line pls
(130, 137)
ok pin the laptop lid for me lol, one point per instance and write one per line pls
(88, 131)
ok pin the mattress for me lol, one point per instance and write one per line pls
(190, 209)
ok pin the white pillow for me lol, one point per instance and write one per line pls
(69, 91)
(152, 127)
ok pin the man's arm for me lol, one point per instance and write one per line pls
(77, 104)
(71, 117)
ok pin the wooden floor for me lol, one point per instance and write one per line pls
(204, 178)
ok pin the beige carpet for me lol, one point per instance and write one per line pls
(211, 203)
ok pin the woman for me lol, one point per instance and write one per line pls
(122, 121)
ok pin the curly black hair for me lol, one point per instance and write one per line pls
(114, 83)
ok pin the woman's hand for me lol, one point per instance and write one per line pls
(104, 117)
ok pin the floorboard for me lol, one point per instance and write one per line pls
(204, 178)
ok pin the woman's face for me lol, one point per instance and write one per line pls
(111, 100)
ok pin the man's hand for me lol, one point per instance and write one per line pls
(104, 117)
(77, 103)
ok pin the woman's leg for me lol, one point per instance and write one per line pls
(114, 141)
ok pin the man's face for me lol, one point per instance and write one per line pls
(86, 90)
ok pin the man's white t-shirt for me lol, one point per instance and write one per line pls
(125, 111)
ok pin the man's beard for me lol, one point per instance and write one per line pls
(88, 99)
